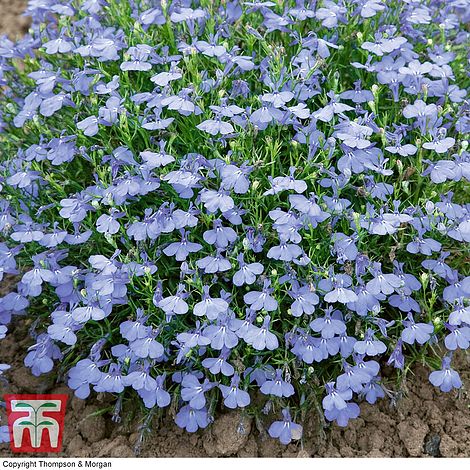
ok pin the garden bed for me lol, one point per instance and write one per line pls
(416, 420)
(422, 422)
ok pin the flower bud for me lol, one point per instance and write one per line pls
(424, 277)
(429, 207)
(400, 166)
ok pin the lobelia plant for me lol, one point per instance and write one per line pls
(250, 205)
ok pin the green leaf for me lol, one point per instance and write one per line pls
(26, 423)
(23, 405)
(46, 423)
(48, 405)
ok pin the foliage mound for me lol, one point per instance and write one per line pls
(252, 205)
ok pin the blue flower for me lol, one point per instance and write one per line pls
(285, 430)
(277, 386)
(191, 419)
(233, 396)
(446, 378)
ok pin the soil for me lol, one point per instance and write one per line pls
(422, 423)
(12, 22)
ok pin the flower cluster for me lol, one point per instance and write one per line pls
(238, 204)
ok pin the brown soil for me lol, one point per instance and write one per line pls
(423, 423)
(11, 21)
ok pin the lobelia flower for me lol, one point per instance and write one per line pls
(277, 386)
(440, 143)
(85, 373)
(242, 327)
(346, 345)
(343, 416)
(159, 396)
(262, 338)
(305, 347)
(327, 113)
(151, 203)
(140, 379)
(404, 302)
(285, 430)
(175, 304)
(236, 178)
(210, 307)
(63, 328)
(220, 236)
(383, 283)
(108, 224)
(3, 331)
(344, 247)
(247, 272)
(285, 251)
(416, 332)
(111, 381)
(370, 346)
(330, 325)
(220, 364)
(192, 338)
(147, 347)
(336, 288)
(56, 237)
(233, 396)
(457, 338)
(265, 115)
(193, 391)
(336, 399)
(358, 95)
(191, 419)
(4, 434)
(157, 159)
(286, 183)
(305, 299)
(330, 14)
(216, 126)
(460, 315)
(213, 264)
(262, 300)
(221, 334)
(181, 103)
(352, 378)
(139, 55)
(181, 250)
(373, 391)
(132, 330)
(426, 246)
(446, 378)
(366, 301)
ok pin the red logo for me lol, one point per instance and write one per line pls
(36, 422)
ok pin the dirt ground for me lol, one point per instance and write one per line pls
(11, 21)
(423, 423)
